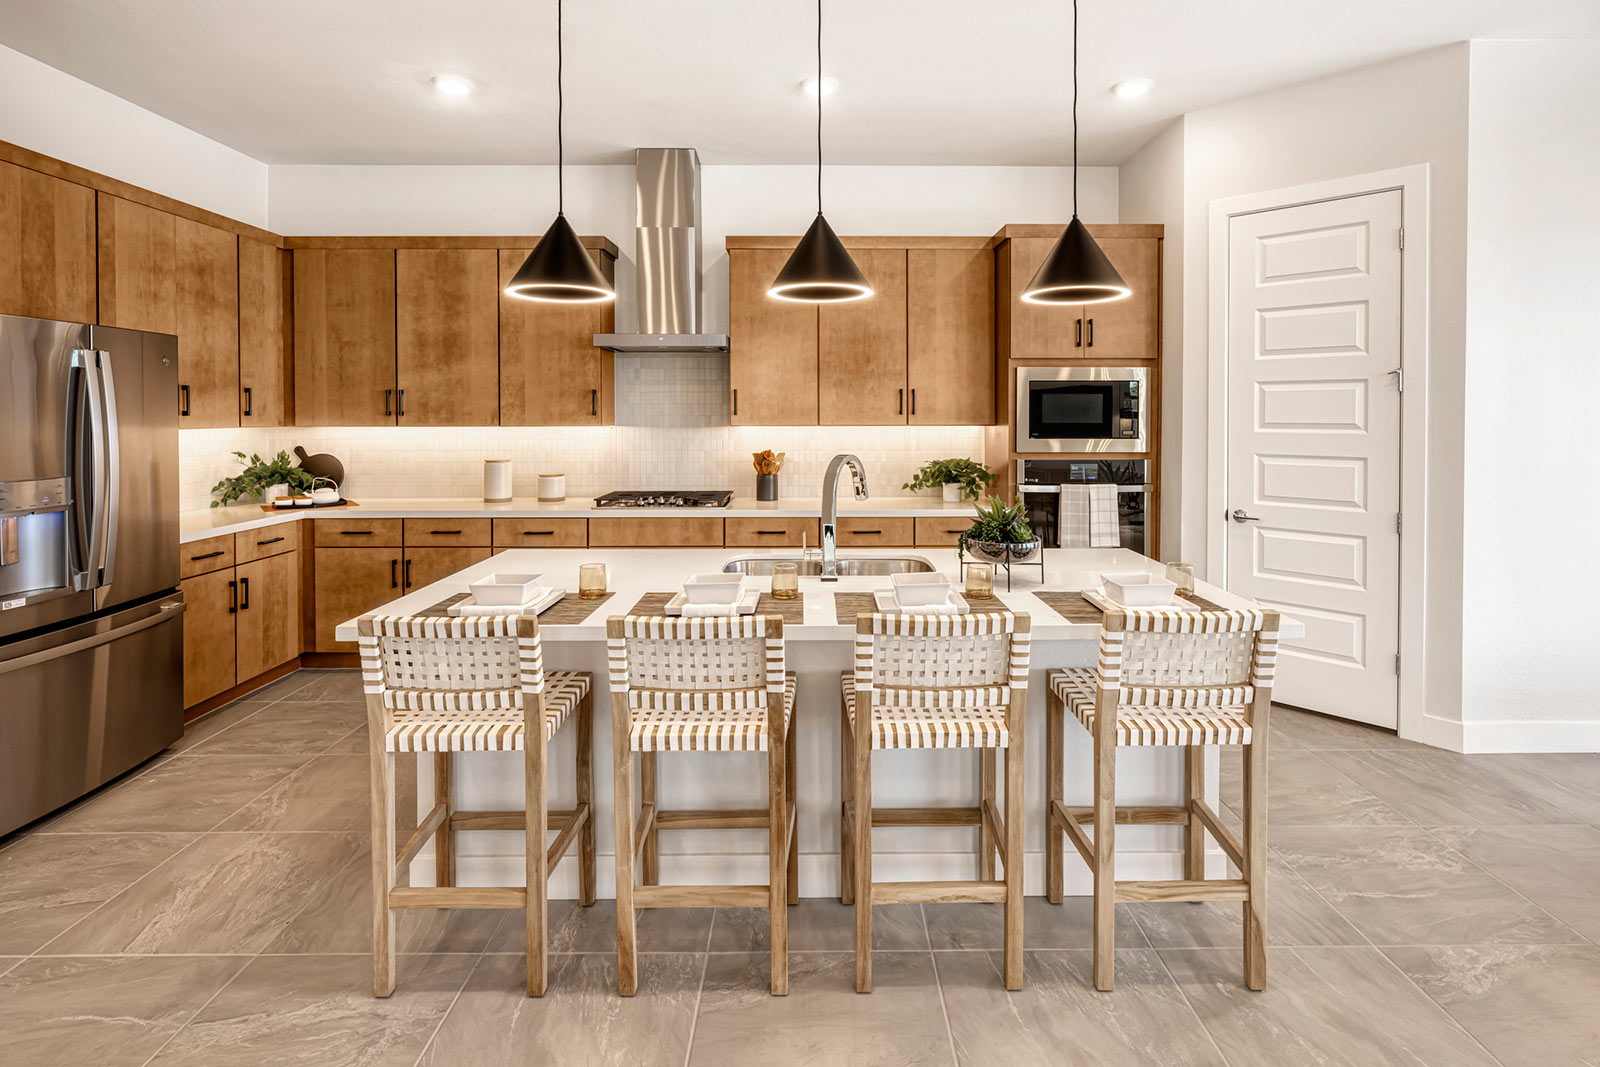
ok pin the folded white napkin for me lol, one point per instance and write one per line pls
(703, 610)
(542, 597)
(949, 607)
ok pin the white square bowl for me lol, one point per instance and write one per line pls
(498, 590)
(919, 589)
(716, 588)
(1137, 590)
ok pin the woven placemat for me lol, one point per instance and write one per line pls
(793, 612)
(1071, 605)
(570, 610)
(846, 606)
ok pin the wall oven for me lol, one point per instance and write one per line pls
(1082, 409)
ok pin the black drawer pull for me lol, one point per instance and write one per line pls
(408, 574)
(270, 541)
(1079, 342)
(394, 574)
(773, 533)
(956, 531)
(900, 406)
(538, 533)
(594, 401)
(244, 588)
(444, 533)
(233, 598)
(249, 402)
(866, 531)
(400, 403)
(184, 410)
(736, 401)
(913, 401)
(208, 555)
(388, 403)
(1091, 334)
(355, 533)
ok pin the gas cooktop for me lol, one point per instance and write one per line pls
(665, 498)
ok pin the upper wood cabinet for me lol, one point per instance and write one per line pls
(1117, 330)
(772, 345)
(138, 266)
(861, 347)
(344, 337)
(950, 367)
(551, 374)
(1127, 328)
(266, 354)
(47, 251)
(447, 337)
(208, 324)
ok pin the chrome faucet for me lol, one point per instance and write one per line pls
(830, 509)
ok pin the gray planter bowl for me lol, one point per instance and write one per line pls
(997, 551)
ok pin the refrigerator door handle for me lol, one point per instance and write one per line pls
(80, 446)
(112, 441)
(89, 362)
(168, 611)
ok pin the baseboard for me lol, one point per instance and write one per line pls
(330, 660)
(1510, 735)
(243, 689)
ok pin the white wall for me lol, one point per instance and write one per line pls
(1532, 494)
(61, 116)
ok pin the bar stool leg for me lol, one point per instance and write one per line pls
(1055, 772)
(1194, 832)
(861, 838)
(537, 823)
(778, 861)
(622, 777)
(650, 874)
(1013, 832)
(383, 849)
(847, 771)
(792, 865)
(1255, 858)
(987, 850)
(585, 776)
(1105, 829)
(444, 845)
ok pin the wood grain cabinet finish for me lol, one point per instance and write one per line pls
(950, 368)
(424, 566)
(869, 531)
(344, 337)
(1125, 329)
(660, 532)
(267, 541)
(447, 337)
(357, 533)
(772, 360)
(351, 582)
(210, 612)
(211, 554)
(267, 624)
(208, 325)
(446, 532)
(937, 532)
(771, 533)
(551, 374)
(1034, 331)
(138, 266)
(541, 533)
(47, 246)
(266, 351)
(861, 348)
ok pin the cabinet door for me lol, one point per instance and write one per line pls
(138, 266)
(950, 367)
(344, 308)
(772, 355)
(615, 531)
(861, 348)
(772, 532)
(268, 621)
(46, 246)
(208, 325)
(424, 566)
(1126, 328)
(265, 378)
(551, 374)
(1036, 331)
(208, 635)
(351, 582)
(447, 345)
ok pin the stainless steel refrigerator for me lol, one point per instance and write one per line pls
(91, 631)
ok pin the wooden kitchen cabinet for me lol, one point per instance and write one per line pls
(424, 566)
(211, 608)
(861, 348)
(950, 368)
(267, 624)
(447, 337)
(358, 533)
(541, 533)
(690, 531)
(771, 533)
(936, 532)
(208, 324)
(1127, 328)
(551, 374)
(872, 531)
(1035, 331)
(772, 355)
(138, 266)
(47, 246)
(344, 337)
(447, 533)
(266, 353)
(210, 554)
(267, 541)
(351, 582)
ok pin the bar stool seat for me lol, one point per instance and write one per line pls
(668, 720)
(495, 726)
(1227, 722)
(963, 718)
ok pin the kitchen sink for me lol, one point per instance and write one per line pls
(849, 566)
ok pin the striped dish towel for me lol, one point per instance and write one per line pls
(1075, 528)
(1104, 528)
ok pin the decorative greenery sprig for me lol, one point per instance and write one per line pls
(257, 475)
(971, 476)
(1000, 523)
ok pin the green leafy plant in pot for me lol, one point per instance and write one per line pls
(959, 478)
(1000, 534)
(258, 476)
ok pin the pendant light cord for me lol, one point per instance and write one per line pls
(561, 103)
(819, 107)
(1074, 108)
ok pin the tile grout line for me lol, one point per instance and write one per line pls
(700, 993)
(1194, 1011)
(174, 1035)
(1459, 1025)
(1508, 886)
(944, 1007)
(465, 981)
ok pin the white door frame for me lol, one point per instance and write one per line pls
(1412, 182)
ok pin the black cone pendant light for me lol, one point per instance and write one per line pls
(559, 270)
(1075, 271)
(819, 270)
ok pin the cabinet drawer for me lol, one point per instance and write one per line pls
(541, 533)
(358, 533)
(444, 533)
(934, 532)
(689, 532)
(267, 541)
(203, 557)
(774, 532)
(867, 531)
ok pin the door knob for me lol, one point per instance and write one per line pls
(1240, 516)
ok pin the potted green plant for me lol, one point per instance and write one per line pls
(1000, 534)
(258, 476)
(957, 478)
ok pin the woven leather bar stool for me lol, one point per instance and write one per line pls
(712, 684)
(935, 681)
(1168, 677)
(478, 684)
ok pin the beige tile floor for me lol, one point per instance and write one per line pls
(211, 908)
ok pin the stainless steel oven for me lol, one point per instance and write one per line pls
(1082, 409)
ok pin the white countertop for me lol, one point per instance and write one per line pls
(635, 572)
(210, 522)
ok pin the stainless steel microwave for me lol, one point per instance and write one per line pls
(1082, 409)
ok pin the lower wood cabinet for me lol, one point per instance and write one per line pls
(687, 532)
(936, 532)
(772, 533)
(209, 658)
(350, 582)
(241, 621)
(541, 533)
(873, 531)
(424, 566)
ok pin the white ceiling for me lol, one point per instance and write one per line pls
(920, 81)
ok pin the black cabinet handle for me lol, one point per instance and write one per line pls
(1079, 342)
(270, 541)
(1091, 333)
(233, 598)
(900, 405)
(538, 533)
(355, 533)
(955, 531)
(408, 574)
(866, 531)
(388, 403)
(773, 533)
(394, 574)
(249, 401)
(736, 401)
(913, 401)
(184, 410)
(594, 401)
(400, 403)
(444, 533)
(244, 590)
(208, 555)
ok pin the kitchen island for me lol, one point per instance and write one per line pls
(819, 648)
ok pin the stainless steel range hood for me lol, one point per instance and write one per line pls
(667, 196)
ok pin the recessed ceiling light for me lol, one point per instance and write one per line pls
(452, 84)
(1132, 88)
(828, 86)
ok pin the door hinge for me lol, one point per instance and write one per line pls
(1398, 517)
(1402, 238)
(1397, 663)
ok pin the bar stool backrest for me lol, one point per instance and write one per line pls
(1169, 657)
(715, 661)
(442, 663)
(954, 661)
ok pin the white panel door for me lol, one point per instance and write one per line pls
(1313, 467)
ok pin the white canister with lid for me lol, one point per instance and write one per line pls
(552, 488)
(496, 481)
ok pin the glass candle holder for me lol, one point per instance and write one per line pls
(1182, 575)
(785, 581)
(591, 581)
(979, 581)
